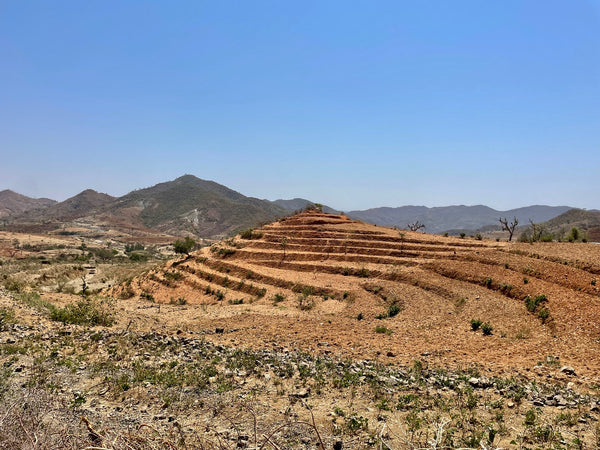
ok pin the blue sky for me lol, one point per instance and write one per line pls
(352, 104)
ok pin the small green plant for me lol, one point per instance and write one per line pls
(360, 316)
(525, 280)
(475, 324)
(278, 298)
(78, 400)
(487, 282)
(543, 314)
(593, 282)
(147, 296)
(530, 418)
(381, 329)
(394, 310)
(532, 303)
(355, 423)
(505, 288)
(462, 235)
(6, 317)
(487, 329)
(236, 301)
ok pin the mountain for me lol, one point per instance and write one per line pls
(189, 205)
(12, 203)
(446, 218)
(299, 204)
(73, 208)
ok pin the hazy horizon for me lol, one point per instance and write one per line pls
(355, 106)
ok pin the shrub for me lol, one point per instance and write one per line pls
(184, 246)
(250, 234)
(475, 324)
(543, 314)
(84, 312)
(6, 317)
(487, 282)
(278, 298)
(487, 329)
(532, 303)
(147, 296)
(393, 310)
(505, 288)
(462, 235)
(382, 329)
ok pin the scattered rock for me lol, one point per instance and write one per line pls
(567, 370)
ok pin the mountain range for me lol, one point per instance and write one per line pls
(192, 206)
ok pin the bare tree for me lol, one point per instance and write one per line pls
(415, 226)
(510, 227)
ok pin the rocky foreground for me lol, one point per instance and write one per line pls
(67, 386)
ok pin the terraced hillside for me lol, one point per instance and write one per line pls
(326, 284)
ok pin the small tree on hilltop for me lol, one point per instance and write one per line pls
(510, 227)
(184, 246)
(416, 226)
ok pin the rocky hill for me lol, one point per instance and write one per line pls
(189, 205)
(80, 205)
(12, 204)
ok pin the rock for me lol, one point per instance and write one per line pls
(567, 370)
(474, 381)
(560, 400)
(510, 404)
(390, 354)
(301, 393)
(538, 403)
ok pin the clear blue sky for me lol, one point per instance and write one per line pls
(348, 103)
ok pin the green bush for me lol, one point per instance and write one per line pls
(393, 310)
(251, 234)
(532, 303)
(278, 298)
(84, 312)
(475, 324)
(6, 317)
(381, 329)
(184, 246)
(544, 314)
(487, 329)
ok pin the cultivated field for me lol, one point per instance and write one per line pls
(314, 330)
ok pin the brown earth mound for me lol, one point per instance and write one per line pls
(326, 284)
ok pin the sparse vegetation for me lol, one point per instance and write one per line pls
(475, 324)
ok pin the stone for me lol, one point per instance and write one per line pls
(567, 370)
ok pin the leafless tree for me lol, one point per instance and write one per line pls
(510, 227)
(415, 226)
